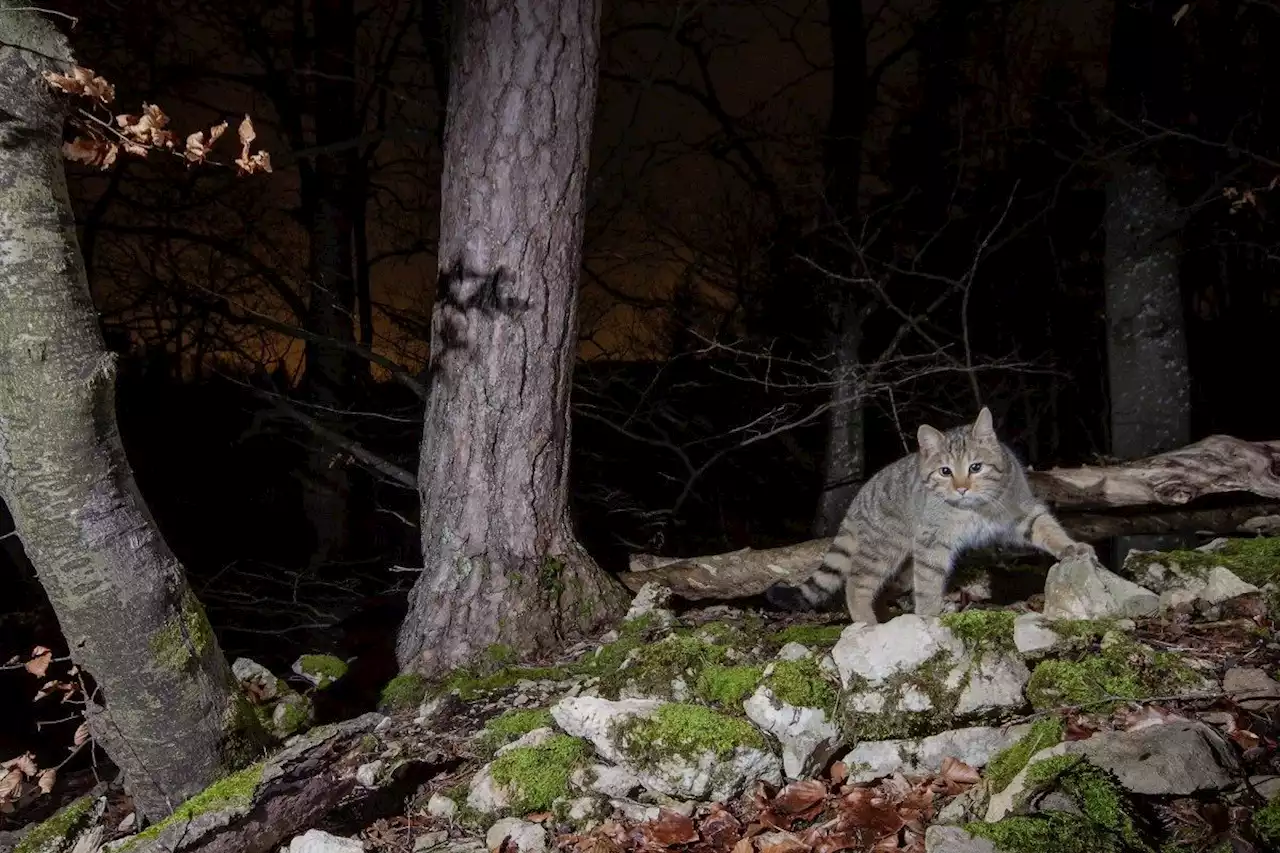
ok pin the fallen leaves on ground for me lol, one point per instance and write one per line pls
(807, 816)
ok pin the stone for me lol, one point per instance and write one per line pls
(1222, 584)
(953, 839)
(794, 651)
(367, 774)
(530, 837)
(441, 806)
(608, 780)
(1083, 589)
(995, 684)
(878, 652)
(593, 717)
(1178, 758)
(1251, 687)
(651, 600)
(1032, 636)
(317, 841)
(975, 746)
(254, 675)
(430, 840)
(807, 736)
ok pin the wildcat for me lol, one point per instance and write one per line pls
(963, 488)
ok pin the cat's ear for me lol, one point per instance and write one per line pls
(983, 428)
(930, 440)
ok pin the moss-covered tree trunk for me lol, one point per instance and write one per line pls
(166, 709)
(501, 564)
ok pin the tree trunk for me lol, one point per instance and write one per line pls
(500, 561)
(1148, 376)
(167, 709)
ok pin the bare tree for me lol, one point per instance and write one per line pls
(166, 707)
(500, 561)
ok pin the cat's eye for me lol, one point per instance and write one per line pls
(944, 471)
(975, 467)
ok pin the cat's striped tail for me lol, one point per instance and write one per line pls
(810, 594)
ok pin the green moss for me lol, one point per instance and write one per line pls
(230, 791)
(982, 630)
(1120, 669)
(810, 636)
(509, 726)
(551, 574)
(1007, 763)
(52, 833)
(500, 654)
(1105, 824)
(1266, 822)
(184, 639)
(403, 692)
(803, 684)
(297, 714)
(654, 667)
(727, 686)
(685, 730)
(537, 775)
(1255, 561)
(469, 684)
(325, 669)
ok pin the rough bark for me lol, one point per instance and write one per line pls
(1217, 465)
(500, 561)
(167, 709)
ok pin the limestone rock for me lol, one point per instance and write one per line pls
(975, 746)
(486, 795)
(995, 683)
(1083, 589)
(651, 600)
(257, 678)
(1252, 688)
(953, 839)
(608, 780)
(1032, 635)
(876, 653)
(593, 718)
(1179, 758)
(529, 837)
(317, 841)
(441, 806)
(808, 737)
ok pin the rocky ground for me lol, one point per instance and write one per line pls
(1108, 714)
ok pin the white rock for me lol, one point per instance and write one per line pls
(592, 718)
(808, 738)
(1179, 758)
(995, 683)
(530, 837)
(953, 839)
(581, 809)
(430, 840)
(606, 779)
(486, 795)
(794, 651)
(1251, 687)
(878, 652)
(1032, 635)
(1083, 589)
(249, 671)
(975, 746)
(636, 812)
(367, 774)
(317, 841)
(651, 600)
(1177, 598)
(441, 806)
(1223, 584)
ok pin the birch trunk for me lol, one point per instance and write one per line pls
(166, 708)
(500, 562)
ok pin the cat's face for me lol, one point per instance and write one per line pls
(964, 467)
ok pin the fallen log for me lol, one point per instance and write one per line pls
(1218, 464)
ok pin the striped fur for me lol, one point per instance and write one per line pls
(924, 509)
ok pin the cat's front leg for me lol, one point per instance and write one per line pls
(930, 567)
(1047, 534)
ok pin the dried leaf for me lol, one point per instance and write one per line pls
(839, 772)
(670, 828)
(785, 843)
(82, 81)
(744, 846)
(10, 783)
(720, 829)
(91, 152)
(197, 148)
(799, 797)
(46, 779)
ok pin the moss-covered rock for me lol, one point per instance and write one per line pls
(403, 693)
(236, 789)
(810, 636)
(727, 686)
(536, 776)
(1266, 823)
(1119, 669)
(320, 670)
(982, 630)
(667, 669)
(912, 703)
(1255, 561)
(1104, 824)
(685, 730)
(51, 835)
(803, 684)
(509, 726)
(1007, 763)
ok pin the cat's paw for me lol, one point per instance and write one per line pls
(1079, 551)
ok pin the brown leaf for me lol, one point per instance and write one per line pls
(839, 772)
(832, 842)
(91, 152)
(720, 829)
(46, 779)
(670, 828)
(196, 146)
(866, 808)
(801, 797)
(10, 783)
(82, 81)
(788, 843)
(539, 817)
(744, 846)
